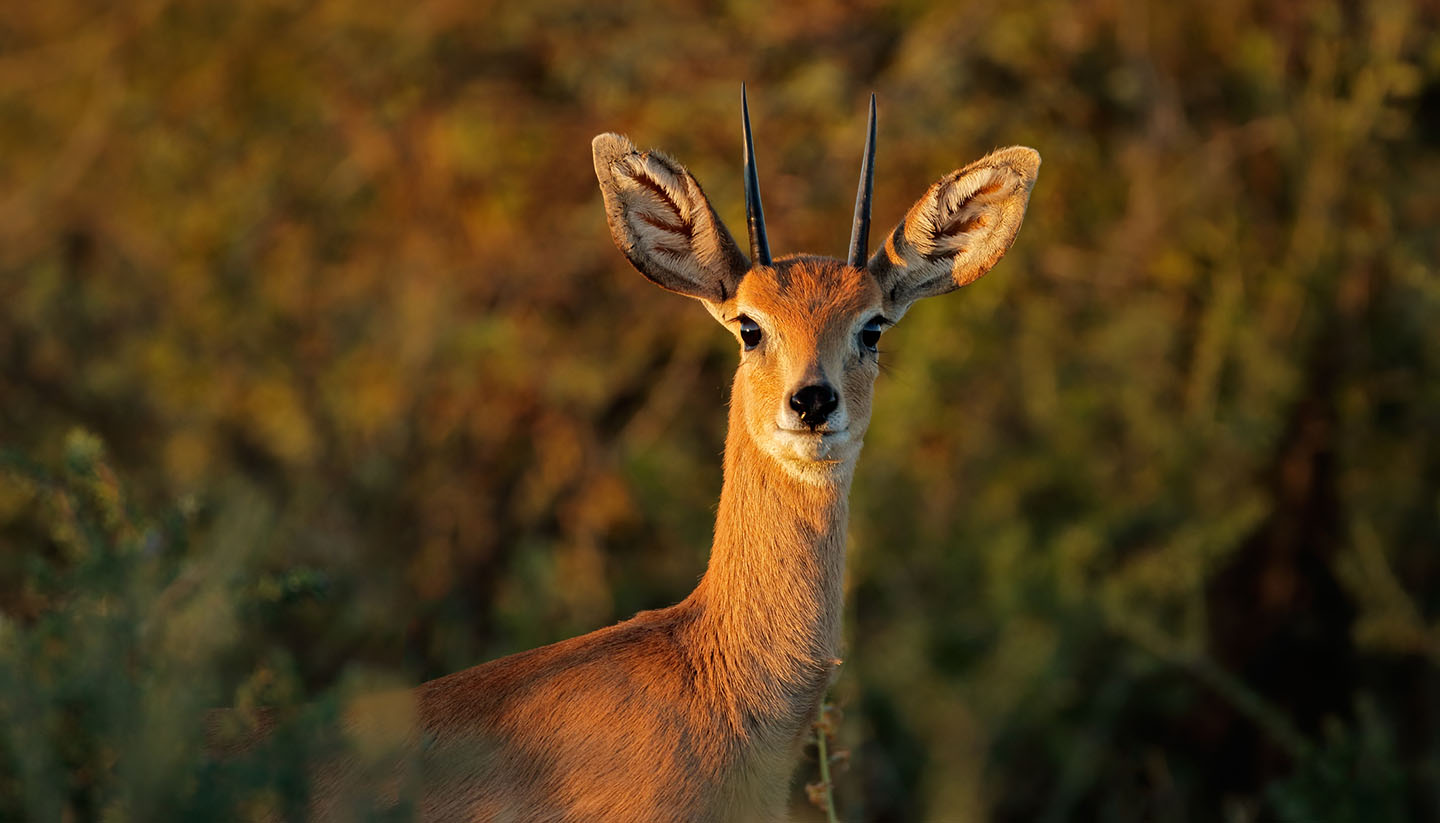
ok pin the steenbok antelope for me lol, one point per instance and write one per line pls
(698, 712)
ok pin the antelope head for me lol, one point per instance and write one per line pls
(808, 326)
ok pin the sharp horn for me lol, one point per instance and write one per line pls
(754, 214)
(860, 231)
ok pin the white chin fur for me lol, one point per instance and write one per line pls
(806, 453)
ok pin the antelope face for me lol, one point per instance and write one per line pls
(808, 329)
(807, 326)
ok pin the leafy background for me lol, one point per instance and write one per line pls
(319, 374)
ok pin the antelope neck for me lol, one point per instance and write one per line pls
(770, 604)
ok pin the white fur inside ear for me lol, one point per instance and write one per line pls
(963, 212)
(958, 229)
(666, 216)
(662, 222)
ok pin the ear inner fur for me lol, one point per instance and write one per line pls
(958, 230)
(662, 221)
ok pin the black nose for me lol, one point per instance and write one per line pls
(814, 404)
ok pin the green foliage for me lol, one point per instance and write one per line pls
(1357, 776)
(99, 686)
(1146, 526)
(105, 694)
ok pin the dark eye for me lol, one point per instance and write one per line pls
(749, 332)
(870, 335)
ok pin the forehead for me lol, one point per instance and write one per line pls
(808, 292)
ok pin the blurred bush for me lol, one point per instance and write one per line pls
(332, 283)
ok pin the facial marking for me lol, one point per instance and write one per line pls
(807, 385)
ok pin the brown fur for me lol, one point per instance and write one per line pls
(698, 711)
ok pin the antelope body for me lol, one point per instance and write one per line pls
(697, 712)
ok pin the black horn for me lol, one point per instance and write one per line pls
(860, 231)
(754, 214)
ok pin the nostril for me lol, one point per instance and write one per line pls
(814, 403)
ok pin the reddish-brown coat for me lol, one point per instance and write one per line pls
(696, 712)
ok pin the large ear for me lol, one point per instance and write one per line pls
(663, 222)
(956, 232)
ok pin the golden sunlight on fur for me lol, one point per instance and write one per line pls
(698, 712)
